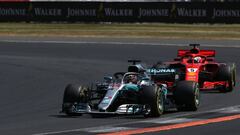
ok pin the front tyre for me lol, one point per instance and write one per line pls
(154, 99)
(227, 73)
(157, 106)
(187, 95)
(73, 94)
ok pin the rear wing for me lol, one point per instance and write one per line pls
(206, 53)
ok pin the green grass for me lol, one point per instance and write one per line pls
(155, 30)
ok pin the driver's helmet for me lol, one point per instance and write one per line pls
(132, 79)
(197, 59)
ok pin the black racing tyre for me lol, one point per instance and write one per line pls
(157, 106)
(187, 95)
(227, 73)
(73, 94)
(154, 98)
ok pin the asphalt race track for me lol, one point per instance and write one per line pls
(33, 76)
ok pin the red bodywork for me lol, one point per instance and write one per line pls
(201, 71)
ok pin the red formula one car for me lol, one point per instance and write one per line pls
(200, 66)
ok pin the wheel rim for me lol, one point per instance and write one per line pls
(160, 102)
(197, 96)
(232, 79)
(230, 83)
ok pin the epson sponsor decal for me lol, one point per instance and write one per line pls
(161, 70)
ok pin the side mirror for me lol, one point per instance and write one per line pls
(108, 79)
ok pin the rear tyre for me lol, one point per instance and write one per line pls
(154, 98)
(73, 94)
(187, 96)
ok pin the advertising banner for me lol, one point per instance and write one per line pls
(169, 12)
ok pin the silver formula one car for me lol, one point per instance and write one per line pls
(130, 93)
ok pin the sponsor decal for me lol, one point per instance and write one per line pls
(192, 70)
(226, 13)
(161, 70)
(81, 12)
(12, 12)
(191, 78)
(47, 11)
(191, 73)
(153, 12)
(185, 12)
(118, 12)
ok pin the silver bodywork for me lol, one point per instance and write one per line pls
(110, 97)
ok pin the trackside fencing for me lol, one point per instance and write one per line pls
(168, 12)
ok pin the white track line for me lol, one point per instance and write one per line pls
(108, 129)
(173, 121)
(114, 43)
(170, 119)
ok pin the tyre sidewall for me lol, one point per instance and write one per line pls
(187, 95)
